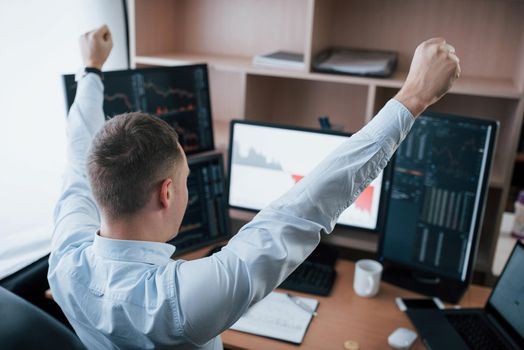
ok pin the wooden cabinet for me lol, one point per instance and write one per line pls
(488, 36)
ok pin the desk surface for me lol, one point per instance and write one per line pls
(346, 316)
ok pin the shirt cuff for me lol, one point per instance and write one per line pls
(392, 123)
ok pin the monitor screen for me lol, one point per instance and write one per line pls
(179, 95)
(206, 219)
(437, 195)
(507, 298)
(267, 160)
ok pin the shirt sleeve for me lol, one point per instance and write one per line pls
(215, 291)
(76, 215)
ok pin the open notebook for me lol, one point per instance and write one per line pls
(276, 316)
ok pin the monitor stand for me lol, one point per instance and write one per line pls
(425, 278)
(447, 289)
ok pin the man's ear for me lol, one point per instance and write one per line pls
(166, 193)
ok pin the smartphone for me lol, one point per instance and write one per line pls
(420, 303)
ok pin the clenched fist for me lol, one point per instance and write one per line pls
(433, 70)
(95, 47)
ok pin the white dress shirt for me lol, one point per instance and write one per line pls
(122, 294)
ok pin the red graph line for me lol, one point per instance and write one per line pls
(365, 200)
(164, 110)
(296, 178)
(119, 96)
(169, 91)
(185, 134)
(409, 171)
(191, 148)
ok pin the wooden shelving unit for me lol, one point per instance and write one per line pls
(488, 36)
(476, 86)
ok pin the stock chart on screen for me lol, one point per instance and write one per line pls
(178, 95)
(437, 193)
(268, 160)
(206, 218)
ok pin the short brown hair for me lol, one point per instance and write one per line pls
(131, 154)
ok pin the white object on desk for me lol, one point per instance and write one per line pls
(276, 316)
(366, 281)
(505, 244)
(402, 338)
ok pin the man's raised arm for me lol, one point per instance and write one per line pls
(281, 236)
(76, 211)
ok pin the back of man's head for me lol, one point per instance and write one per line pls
(131, 155)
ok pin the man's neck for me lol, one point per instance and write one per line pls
(137, 228)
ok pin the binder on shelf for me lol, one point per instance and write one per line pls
(280, 59)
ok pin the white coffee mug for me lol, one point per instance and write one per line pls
(366, 281)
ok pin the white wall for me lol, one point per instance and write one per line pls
(38, 43)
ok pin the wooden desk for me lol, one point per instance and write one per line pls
(344, 315)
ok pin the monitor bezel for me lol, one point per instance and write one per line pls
(69, 98)
(443, 286)
(385, 176)
(202, 158)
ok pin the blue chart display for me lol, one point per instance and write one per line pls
(437, 193)
(178, 95)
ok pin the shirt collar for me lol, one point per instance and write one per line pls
(156, 253)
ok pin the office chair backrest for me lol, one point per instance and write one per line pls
(24, 326)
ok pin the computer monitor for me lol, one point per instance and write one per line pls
(506, 302)
(179, 95)
(207, 218)
(266, 160)
(437, 198)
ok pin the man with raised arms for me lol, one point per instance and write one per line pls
(125, 194)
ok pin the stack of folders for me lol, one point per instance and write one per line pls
(278, 316)
(280, 59)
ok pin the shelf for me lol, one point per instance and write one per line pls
(485, 87)
(233, 63)
(221, 134)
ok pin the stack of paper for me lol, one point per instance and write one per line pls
(277, 316)
(356, 61)
(280, 59)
